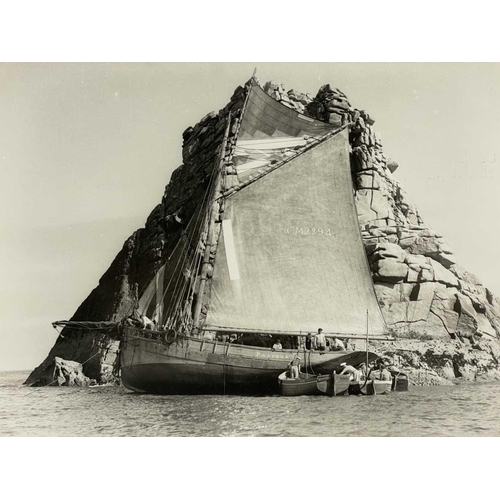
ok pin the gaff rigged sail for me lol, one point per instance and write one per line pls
(290, 256)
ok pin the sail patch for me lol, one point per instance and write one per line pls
(270, 132)
(232, 263)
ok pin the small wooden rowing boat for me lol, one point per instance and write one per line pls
(317, 385)
(371, 387)
(314, 385)
(374, 387)
(400, 381)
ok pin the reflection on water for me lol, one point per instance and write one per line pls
(462, 410)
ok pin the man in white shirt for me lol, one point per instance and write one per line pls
(277, 346)
(147, 323)
(351, 371)
(337, 345)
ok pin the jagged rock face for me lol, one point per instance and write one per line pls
(64, 373)
(423, 293)
(443, 362)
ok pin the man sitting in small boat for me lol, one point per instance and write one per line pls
(380, 373)
(337, 345)
(363, 371)
(320, 340)
(354, 374)
(390, 366)
(277, 346)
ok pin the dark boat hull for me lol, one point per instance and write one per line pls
(311, 385)
(197, 366)
(304, 386)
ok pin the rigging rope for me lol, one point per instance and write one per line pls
(185, 256)
(132, 306)
(210, 214)
(185, 251)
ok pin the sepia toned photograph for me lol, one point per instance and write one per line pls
(250, 249)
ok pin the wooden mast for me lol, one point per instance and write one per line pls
(367, 341)
(214, 212)
(215, 208)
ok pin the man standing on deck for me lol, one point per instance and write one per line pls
(320, 340)
(309, 342)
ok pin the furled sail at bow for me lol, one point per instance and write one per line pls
(270, 132)
(290, 255)
(153, 308)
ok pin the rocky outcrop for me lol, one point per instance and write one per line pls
(61, 372)
(429, 360)
(439, 362)
(419, 285)
(446, 322)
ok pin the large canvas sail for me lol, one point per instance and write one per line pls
(290, 256)
(269, 131)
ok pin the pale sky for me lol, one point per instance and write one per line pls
(87, 149)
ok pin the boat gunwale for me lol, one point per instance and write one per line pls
(235, 346)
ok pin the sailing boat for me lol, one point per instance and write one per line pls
(274, 249)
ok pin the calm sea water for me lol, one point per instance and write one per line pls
(460, 410)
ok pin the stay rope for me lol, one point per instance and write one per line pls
(173, 306)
